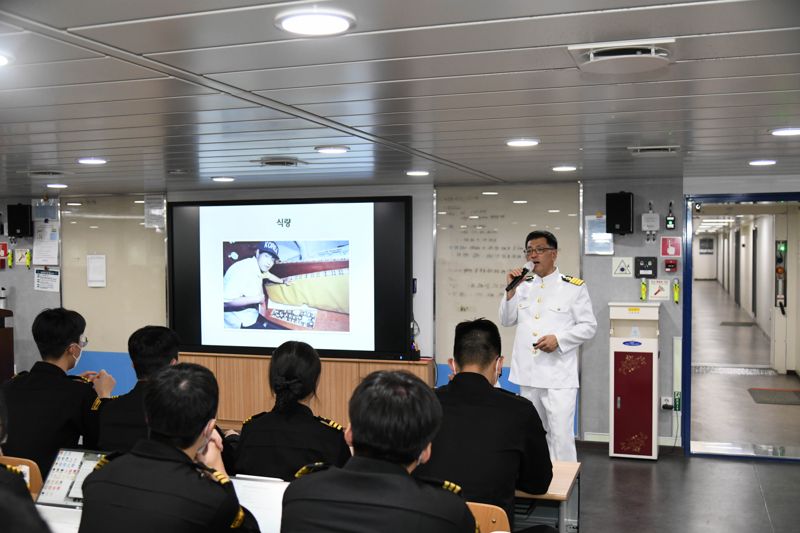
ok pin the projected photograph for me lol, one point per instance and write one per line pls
(286, 285)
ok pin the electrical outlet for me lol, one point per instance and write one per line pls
(666, 402)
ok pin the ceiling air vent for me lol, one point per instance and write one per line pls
(279, 162)
(653, 151)
(623, 57)
(42, 173)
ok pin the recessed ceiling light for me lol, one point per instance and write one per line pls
(762, 162)
(785, 132)
(554, 210)
(417, 173)
(490, 193)
(74, 204)
(73, 222)
(57, 186)
(315, 22)
(522, 142)
(5, 59)
(473, 217)
(92, 161)
(520, 201)
(138, 201)
(441, 212)
(572, 214)
(462, 226)
(177, 172)
(533, 225)
(223, 179)
(66, 212)
(332, 149)
(564, 168)
(93, 227)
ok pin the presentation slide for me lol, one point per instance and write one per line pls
(273, 273)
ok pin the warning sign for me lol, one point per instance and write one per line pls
(622, 267)
(670, 246)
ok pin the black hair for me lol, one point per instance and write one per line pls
(179, 401)
(393, 417)
(293, 373)
(55, 329)
(477, 342)
(541, 234)
(152, 348)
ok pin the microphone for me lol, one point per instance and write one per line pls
(518, 279)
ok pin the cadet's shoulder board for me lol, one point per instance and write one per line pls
(330, 423)
(105, 459)
(96, 404)
(237, 522)
(19, 374)
(310, 469)
(14, 470)
(452, 487)
(251, 418)
(219, 477)
(81, 379)
(574, 281)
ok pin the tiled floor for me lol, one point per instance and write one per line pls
(686, 494)
(722, 409)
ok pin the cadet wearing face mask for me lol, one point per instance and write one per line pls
(47, 409)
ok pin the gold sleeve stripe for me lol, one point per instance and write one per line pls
(101, 463)
(239, 519)
(221, 478)
(96, 405)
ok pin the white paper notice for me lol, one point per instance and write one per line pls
(46, 279)
(96, 270)
(45, 243)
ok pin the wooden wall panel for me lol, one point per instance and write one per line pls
(336, 384)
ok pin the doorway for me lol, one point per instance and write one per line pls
(741, 391)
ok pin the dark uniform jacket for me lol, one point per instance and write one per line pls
(48, 410)
(279, 444)
(490, 442)
(122, 421)
(156, 488)
(369, 496)
(13, 481)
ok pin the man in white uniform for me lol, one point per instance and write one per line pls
(553, 315)
(243, 287)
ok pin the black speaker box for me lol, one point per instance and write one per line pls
(619, 212)
(19, 220)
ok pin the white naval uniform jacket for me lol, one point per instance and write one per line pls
(548, 306)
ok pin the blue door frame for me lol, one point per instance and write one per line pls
(688, 233)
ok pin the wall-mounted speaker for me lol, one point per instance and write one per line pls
(619, 212)
(19, 220)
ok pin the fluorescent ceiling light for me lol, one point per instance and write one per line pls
(223, 179)
(315, 22)
(441, 212)
(785, 132)
(92, 161)
(554, 210)
(417, 173)
(473, 217)
(520, 201)
(57, 186)
(138, 201)
(93, 227)
(5, 59)
(572, 214)
(564, 168)
(762, 162)
(490, 193)
(332, 149)
(533, 225)
(74, 204)
(522, 142)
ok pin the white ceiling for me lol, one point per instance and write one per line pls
(433, 84)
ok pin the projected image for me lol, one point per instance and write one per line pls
(286, 285)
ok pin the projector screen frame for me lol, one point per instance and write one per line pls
(392, 300)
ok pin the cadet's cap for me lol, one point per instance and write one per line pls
(270, 247)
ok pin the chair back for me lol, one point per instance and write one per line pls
(489, 517)
(34, 474)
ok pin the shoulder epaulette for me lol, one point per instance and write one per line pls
(574, 281)
(80, 379)
(96, 404)
(212, 474)
(14, 470)
(104, 460)
(249, 418)
(330, 423)
(446, 485)
(310, 469)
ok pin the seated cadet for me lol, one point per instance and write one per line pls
(174, 482)
(122, 422)
(18, 513)
(491, 441)
(47, 409)
(280, 442)
(11, 478)
(393, 417)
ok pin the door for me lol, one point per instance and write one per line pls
(737, 245)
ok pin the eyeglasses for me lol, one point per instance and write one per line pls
(538, 250)
(83, 340)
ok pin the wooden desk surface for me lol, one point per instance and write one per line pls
(564, 476)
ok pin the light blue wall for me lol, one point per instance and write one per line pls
(118, 364)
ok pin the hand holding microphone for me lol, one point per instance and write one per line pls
(515, 277)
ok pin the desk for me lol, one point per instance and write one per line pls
(565, 476)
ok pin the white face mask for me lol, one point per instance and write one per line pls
(78, 357)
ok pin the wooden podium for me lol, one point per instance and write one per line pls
(6, 345)
(244, 383)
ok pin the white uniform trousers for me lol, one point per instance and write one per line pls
(556, 408)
